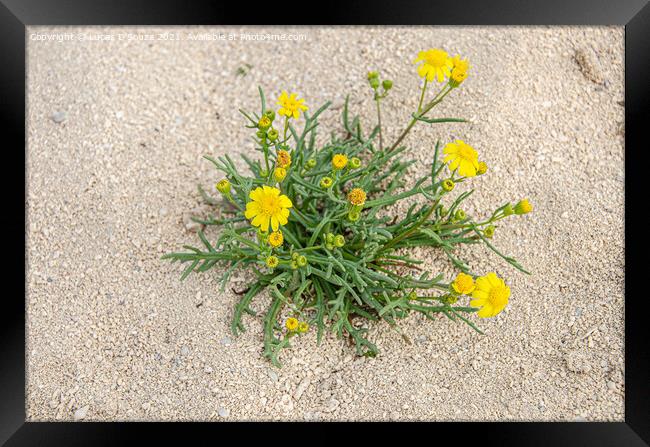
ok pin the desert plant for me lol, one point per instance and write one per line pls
(314, 223)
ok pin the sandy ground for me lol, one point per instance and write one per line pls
(116, 135)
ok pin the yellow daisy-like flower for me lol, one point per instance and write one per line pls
(291, 324)
(462, 156)
(283, 159)
(303, 327)
(267, 207)
(491, 295)
(290, 106)
(357, 196)
(276, 239)
(459, 71)
(463, 284)
(339, 161)
(435, 64)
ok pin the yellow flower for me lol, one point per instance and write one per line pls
(460, 64)
(272, 262)
(303, 327)
(283, 159)
(463, 284)
(276, 238)
(523, 207)
(357, 196)
(290, 106)
(491, 295)
(291, 324)
(435, 64)
(279, 174)
(339, 161)
(267, 207)
(459, 71)
(482, 168)
(462, 156)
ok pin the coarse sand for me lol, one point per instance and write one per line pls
(116, 134)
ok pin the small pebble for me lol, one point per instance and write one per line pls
(58, 117)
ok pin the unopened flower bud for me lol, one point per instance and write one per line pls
(329, 247)
(354, 215)
(508, 211)
(448, 184)
(355, 163)
(523, 207)
(294, 265)
(460, 215)
(270, 114)
(482, 168)
(279, 174)
(326, 182)
(223, 186)
(310, 164)
(302, 261)
(413, 295)
(489, 231)
(339, 241)
(372, 75)
(272, 134)
(387, 84)
(374, 83)
(451, 298)
(272, 262)
(264, 122)
(260, 134)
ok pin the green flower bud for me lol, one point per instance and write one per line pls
(326, 182)
(372, 75)
(387, 84)
(260, 134)
(295, 255)
(223, 186)
(354, 215)
(272, 134)
(264, 173)
(339, 241)
(374, 83)
(294, 265)
(310, 164)
(329, 247)
(355, 163)
(413, 295)
(443, 211)
(264, 122)
(302, 261)
(329, 237)
(270, 114)
(448, 185)
(452, 299)
(272, 262)
(489, 231)
(460, 215)
(508, 211)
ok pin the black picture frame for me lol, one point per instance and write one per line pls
(15, 15)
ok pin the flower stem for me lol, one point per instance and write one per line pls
(381, 138)
(439, 97)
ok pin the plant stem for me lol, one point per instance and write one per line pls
(411, 230)
(381, 138)
(439, 97)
